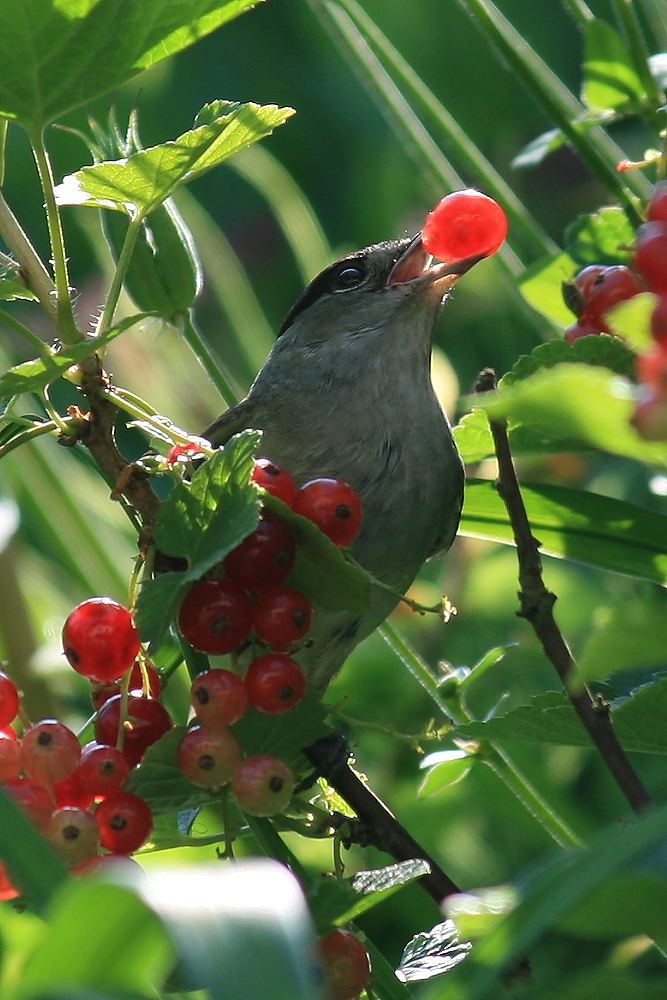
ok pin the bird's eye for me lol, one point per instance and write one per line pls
(350, 277)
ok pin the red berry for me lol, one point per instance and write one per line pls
(147, 721)
(274, 480)
(102, 770)
(125, 822)
(73, 834)
(657, 208)
(650, 419)
(659, 321)
(583, 328)
(207, 758)
(464, 224)
(615, 284)
(35, 800)
(651, 255)
(70, 793)
(218, 697)
(7, 888)
(215, 616)
(347, 965)
(282, 616)
(184, 452)
(49, 752)
(264, 558)
(100, 640)
(100, 693)
(586, 278)
(333, 506)
(10, 758)
(652, 369)
(9, 700)
(263, 785)
(275, 683)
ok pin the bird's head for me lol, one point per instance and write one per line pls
(389, 286)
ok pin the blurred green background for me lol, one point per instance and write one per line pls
(364, 186)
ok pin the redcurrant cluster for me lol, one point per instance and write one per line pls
(75, 796)
(251, 605)
(597, 289)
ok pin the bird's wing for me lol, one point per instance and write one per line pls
(233, 420)
(451, 515)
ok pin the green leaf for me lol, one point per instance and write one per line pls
(339, 901)
(36, 870)
(31, 376)
(639, 722)
(541, 286)
(572, 524)
(548, 142)
(201, 521)
(87, 921)
(432, 954)
(632, 320)
(284, 735)
(12, 287)
(604, 237)
(443, 768)
(321, 569)
(604, 915)
(57, 54)
(554, 891)
(472, 433)
(142, 181)
(586, 404)
(631, 635)
(610, 79)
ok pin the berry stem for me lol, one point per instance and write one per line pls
(36, 275)
(537, 608)
(627, 15)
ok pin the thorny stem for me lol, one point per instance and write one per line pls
(33, 271)
(67, 328)
(537, 608)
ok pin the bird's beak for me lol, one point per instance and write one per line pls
(418, 267)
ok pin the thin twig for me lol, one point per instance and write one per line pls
(537, 607)
(376, 824)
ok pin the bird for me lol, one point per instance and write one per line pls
(346, 393)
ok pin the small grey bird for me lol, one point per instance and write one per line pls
(346, 392)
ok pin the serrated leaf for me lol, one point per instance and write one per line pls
(142, 181)
(632, 320)
(57, 54)
(157, 605)
(602, 351)
(31, 376)
(586, 404)
(610, 79)
(284, 735)
(639, 722)
(338, 901)
(321, 569)
(604, 237)
(432, 954)
(11, 287)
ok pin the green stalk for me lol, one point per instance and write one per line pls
(35, 273)
(496, 758)
(595, 147)
(464, 149)
(34, 431)
(119, 276)
(132, 404)
(656, 15)
(579, 11)
(221, 380)
(67, 328)
(627, 15)
(4, 125)
(24, 331)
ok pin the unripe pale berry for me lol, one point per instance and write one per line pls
(209, 759)
(263, 785)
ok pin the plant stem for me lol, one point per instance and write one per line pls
(497, 759)
(113, 295)
(130, 403)
(220, 379)
(638, 49)
(579, 11)
(35, 431)
(4, 126)
(67, 328)
(656, 15)
(33, 270)
(24, 331)
(594, 146)
(537, 607)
